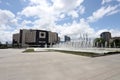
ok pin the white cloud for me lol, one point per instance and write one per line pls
(114, 32)
(103, 11)
(77, 28)
(72, 29)
(106, 1)
(8, 23)
(114, 12)
(73, 13)
(6, 16)
(5, 36)
(39, 2)
(44, 10)
(62, 16)
(41, 8)
(81, 10)
(66, 5)
(118, 0)
(32, 11)
(47, 13)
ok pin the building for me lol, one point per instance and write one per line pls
(106, 36)
(114, 38)
(16, 39)
(35, 38)
(115, 42)
(67, 38)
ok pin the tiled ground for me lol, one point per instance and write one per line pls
(15, 65)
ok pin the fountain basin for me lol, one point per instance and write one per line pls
(100, 51)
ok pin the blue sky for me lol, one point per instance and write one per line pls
(67, 17)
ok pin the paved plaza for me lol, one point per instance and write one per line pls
(15, 65)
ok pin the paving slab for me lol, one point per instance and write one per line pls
(15, 65)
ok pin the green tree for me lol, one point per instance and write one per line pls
(0, 43)
(6, 45)
(99, 42)
(116, 43)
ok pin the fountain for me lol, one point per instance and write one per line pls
(114, 45)
(84, 44)
(106, 44)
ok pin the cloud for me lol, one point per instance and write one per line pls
(58, 9)
(6, 16)
(114, 12)
(47, 12)
(118, 0)
(114, 32)
(62, 16)
(54, 10)
(74, 14)
(103, 11)
(106, 1)
(42, 8)
(73, 29)
(50, 12)
(8, 23)
(65, 5)
(5, 36)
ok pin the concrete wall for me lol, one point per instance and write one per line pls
(53, 37)
(30, 36)
(16, 38)
(22, 37)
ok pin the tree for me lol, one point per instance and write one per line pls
(0, 44)
(6, 44)
(116, 43)
(99, 42)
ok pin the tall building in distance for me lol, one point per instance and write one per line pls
(67, 38)
(106, 40)
(35, 38)
(106, 36)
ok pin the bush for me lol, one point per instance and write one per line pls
(29, 50)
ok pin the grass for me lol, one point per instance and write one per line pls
(88, 54)
(111, 53)
(29, 50)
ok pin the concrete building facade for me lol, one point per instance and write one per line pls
(35, 38)
(16, 39)
(67, 38)
(106, 36)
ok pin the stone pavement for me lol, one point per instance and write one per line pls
(15, 65)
